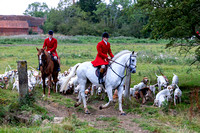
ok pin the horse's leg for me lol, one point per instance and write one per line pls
(44, 86)
(49, 85)
(93, 88)
(120, 91)
(109, 92)
(55, 80)
(55, 86)
(79, 100)
(82, 92)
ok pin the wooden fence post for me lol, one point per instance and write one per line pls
(127, 84)
(23, 79)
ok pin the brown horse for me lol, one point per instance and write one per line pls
(47, 69)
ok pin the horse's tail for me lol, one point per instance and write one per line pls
(71, 74)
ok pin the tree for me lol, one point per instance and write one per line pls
(88, 5)
(37, 9)
(175, 20)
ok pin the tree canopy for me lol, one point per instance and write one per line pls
(92, 17)
(37, 9)
(175, 20)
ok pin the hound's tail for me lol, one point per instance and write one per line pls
(156, 75)
(71, 74)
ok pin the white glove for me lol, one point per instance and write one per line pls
(109, 58)
(49, 52)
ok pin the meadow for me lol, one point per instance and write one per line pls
(152, 58)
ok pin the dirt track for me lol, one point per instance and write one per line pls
(125, 122)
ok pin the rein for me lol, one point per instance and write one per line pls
(122, 78)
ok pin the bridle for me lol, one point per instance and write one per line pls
(41, 60)
(125, 66)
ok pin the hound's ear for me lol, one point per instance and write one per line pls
(133, 52)
(37, 49)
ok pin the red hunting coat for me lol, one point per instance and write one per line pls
(103, 50)
(51, 46)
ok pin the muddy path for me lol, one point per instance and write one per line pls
(95, 116)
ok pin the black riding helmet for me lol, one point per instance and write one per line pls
(105, 34)
(50, 32)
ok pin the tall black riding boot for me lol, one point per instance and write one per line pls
(101, 76)
(57, 66)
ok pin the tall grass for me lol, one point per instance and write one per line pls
(39, 39)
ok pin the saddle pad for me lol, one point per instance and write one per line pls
(97, 72)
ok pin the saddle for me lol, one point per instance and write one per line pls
(97, 72)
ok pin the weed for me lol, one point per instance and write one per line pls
(46, 116)
(165, 106)
(107, 119)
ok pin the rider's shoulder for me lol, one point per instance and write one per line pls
(54, 38)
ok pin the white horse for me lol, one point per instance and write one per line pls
(113, 79)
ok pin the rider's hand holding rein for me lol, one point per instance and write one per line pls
(49, 52)
(109, 58)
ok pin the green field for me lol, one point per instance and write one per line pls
(152, 56)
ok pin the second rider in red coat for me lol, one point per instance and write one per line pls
(50, 45)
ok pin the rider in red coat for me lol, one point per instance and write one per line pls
(50, 45)
(102, 59)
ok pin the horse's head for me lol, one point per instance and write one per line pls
(41, 55)
(132, 62)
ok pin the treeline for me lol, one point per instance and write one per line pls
(93, 17)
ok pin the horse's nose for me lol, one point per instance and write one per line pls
(133, 71)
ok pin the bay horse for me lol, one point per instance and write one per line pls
(47, 69)
(113, 79)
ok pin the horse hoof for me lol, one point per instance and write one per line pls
(100, 107)
(87, 112)
(123, 113)
(76, 104)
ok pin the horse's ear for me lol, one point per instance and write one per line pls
(136, 53)
(37, 49)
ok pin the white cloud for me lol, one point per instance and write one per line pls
(17, 7)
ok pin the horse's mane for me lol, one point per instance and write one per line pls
(120, 54)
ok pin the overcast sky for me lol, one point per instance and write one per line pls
(17, 7)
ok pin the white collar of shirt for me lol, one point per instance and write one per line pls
(50, 39)
(105, 42)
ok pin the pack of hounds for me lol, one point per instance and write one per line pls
(165, 92)
(160, 92)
